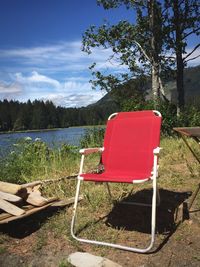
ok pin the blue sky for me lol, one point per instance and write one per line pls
(40, 50)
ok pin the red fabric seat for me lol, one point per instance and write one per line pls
(129, 142)
(115, 177)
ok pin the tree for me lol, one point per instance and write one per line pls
(5, 117)
(143, 41)
(39, 117)
(183, 19)
(51, 116)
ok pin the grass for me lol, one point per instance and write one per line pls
(178, 172)
(2, 249)
(41, 241)
(34, 160)
(64, 263)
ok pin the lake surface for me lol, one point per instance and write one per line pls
(71, 135)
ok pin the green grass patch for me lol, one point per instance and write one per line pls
(29, 161)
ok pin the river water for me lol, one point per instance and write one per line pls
(71, 135)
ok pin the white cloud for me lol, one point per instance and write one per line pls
(60, 57)
(35, 77)
(58, 72)
(70, 93)
(74, 100)
(9, 88)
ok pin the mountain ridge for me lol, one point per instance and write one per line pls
(191, 85)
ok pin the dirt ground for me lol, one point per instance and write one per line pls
(29, 243)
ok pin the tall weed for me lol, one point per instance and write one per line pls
(33, 160)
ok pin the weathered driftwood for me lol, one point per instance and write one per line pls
(10, 197)
(27, 193)
(65, 202)
(10, 188)
(15, 188)
(10, 208)
(32, 184)
(35, 199)
(5, 215)
(29, 209)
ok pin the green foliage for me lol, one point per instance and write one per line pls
(142, 41)
(64, 263)
(31, 160)
(15, 116)
(93, 138)
(159, 27)
(188, 118)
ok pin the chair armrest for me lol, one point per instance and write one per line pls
(87, 151)
(156, 150)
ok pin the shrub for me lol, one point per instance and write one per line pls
(31, 160)
(93, 137)
(189, 117)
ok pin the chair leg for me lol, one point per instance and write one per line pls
(133, 249)
(109, 193)
(158, 197)
(75, 208)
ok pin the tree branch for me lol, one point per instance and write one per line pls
(143, 51)
(192, 58)
(188, 34)
(169, 57)
(197, 46)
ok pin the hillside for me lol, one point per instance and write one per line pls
(191, 83)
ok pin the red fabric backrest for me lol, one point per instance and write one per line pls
(129, 142)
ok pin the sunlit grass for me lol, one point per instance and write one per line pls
(178, 171)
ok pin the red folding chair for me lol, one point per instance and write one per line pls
(129, 155)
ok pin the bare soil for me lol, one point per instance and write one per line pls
(30, 242)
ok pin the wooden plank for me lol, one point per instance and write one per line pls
(5, 215)
(10, 188)
(27, 213)
(32, 184)
(10, 197)
(35, 199)
(188, 131)
(10, 208)
(31, 210)
(66, 202)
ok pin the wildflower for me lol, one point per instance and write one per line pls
(28, 138)
(37, 139)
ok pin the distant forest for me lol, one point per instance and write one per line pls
(15, 116)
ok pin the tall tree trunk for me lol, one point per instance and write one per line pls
(155, 53)
(179, 83)
(155, 82)
(179, 59)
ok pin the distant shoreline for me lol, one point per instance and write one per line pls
(31, 131)
(47, 130)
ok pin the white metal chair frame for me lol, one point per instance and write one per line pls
(155, 194)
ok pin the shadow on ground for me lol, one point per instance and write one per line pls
(26, 226)
(127, 217)
(138, 218)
